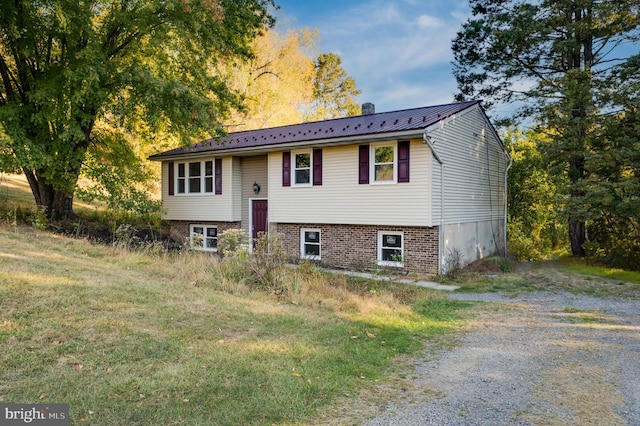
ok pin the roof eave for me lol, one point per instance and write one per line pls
(376, 137)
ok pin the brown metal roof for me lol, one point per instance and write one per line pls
(326, 131)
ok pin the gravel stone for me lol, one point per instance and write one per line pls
(541, 358)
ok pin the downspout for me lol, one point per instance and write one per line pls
(427, 140)
(506, 193)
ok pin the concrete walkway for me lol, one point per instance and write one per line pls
(426, 284)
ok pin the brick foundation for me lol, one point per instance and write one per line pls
(355, 247)
(352, 247)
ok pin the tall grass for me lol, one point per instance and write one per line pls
(141, 337)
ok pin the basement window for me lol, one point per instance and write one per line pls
(203, 237)
(391, 248)
(310, 244)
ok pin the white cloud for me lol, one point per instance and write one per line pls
(398, 54)
(426, 21)
(361, 19)
(410, 94)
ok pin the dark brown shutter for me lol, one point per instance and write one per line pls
(317, 166)
(218, 175)
(172, 180)
(286, 168)
(403, 161)
(363, 164)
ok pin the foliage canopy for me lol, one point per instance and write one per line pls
(288, 82)
(562, 62)
(78, 79)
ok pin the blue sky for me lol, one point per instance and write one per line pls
(398, 51)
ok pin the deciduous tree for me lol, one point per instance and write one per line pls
(287, 83)
(277, 82)
(78, 77)
(535, 226)
(334, 92)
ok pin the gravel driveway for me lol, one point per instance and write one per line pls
(536, 359)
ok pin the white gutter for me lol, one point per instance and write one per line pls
(427, 140)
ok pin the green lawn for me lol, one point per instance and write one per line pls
(144, 338)
(138, 339)
(579, 266)
(572, 275)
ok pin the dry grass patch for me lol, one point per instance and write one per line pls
(494, 275)
(588, 393)
(138, 338)
(555, 276)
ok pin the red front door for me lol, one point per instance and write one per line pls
(259, 210)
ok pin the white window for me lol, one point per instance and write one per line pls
(301, 168)
(204, 237)
(390, 248)
(208, 176)
(181, 178)
(195, 177)
(310, 244)
(383, 163)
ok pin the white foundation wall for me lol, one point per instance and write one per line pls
(471, 241)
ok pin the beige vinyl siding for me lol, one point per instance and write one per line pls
(342, 200)
(236, 188)
(254, 169)
(436, 172)
(206, 207)
(474, 165)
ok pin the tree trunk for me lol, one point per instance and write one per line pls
(56, 203)
(577, 236)
(61, 206)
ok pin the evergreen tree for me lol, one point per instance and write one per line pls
(612, 190)
(557, 59)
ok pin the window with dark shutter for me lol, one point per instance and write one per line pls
(301, 168)
(218, 175)
(317, 166)
(286, 168)
(171, 178)
(363, 164)
(403, 161)
(208, 176)
(195, 177)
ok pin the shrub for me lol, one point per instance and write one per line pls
(233, 243)
(124, 236)
(453, 263)
(268, 262)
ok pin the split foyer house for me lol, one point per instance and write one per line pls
(405, 189)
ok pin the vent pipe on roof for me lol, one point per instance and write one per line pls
(368, 108)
